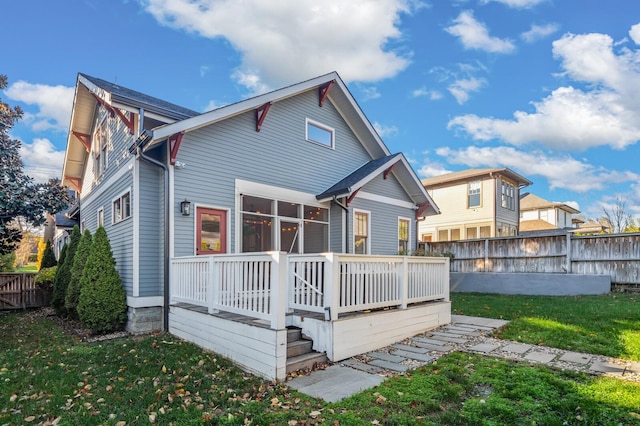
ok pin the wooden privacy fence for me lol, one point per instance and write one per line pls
(617, 255)
(19, 291)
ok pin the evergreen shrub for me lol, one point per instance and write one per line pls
(63, 274)
(79, 260)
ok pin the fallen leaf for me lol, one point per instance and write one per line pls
(13, 397)
(315, 414)
(164, 368)
(29, 419)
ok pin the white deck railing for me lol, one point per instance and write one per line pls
(268, 285)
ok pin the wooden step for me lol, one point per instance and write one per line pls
(293, 334)
(305, 361)
(299, 347)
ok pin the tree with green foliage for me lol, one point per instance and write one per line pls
(48, 257)
(21, 197)
(102, 306)
(7, 262)
(63, 274)
(79, 260)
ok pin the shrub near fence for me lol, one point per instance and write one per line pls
(616, 255)
(20, 291)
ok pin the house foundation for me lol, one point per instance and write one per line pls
(144, 320)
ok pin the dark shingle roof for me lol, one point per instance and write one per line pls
(346, 185)
(149, 103)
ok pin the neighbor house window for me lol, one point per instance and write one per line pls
(100, 217)
(403, 236)
(321, 134)
(473, 198)
(122, 207)
(361, 232)
(508, 195)
(100, 149)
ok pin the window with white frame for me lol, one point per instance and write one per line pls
(121, 208)
(100, 217)
(100, 141)
(361, 231)
(403, 236)
(320, 134)
(508, 191)
(474, 194)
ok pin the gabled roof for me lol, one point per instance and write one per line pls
(533, 202)
(88, 90)
(469, 174)
(338, 94)
(535, 225)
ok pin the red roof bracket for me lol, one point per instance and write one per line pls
(324, 91)
(388, 171)
(421, 209)
(128, 121)
(104, 104)
(261, 114)
(75, 183)
(351, 197)
(84, 139)
(174, 145)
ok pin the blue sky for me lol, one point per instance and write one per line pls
(548, 88)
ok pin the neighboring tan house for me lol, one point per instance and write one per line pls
(474, 203)
(232, 225)
(538, 214)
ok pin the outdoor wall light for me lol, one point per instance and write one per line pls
(185, 207)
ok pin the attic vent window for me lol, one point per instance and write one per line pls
(320, 134)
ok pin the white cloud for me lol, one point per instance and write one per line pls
(517, 4)
(634, 33)
(291, 41)
(475, 35)
(539, 31)
(54, 104)
(384, 131)
(460, 89)
(434, 95)
(605, 112)
(561, 171)
(41, 160)
(432, 168)
(211, 106)
(573, 204)
(369, 93)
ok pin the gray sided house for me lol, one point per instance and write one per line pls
(297, 170)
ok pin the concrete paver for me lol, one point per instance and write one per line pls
(517, 348)
(390, 365)
(413, 355)
(448, 338)
(484, 348)
(576, 357)
(335, 383)
(540, 356)
(386, 357)
(410, 348)
(434, 348)
(367, 368)
(429, 341)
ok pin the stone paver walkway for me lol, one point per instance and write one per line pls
(467, 334)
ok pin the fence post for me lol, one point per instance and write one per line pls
(213, 285)
(568, 252)
(486, 254)
(447, 280)
(278, 303)
(332, 287)
(404, 282)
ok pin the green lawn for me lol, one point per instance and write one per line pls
(46, 375)
(606, 325)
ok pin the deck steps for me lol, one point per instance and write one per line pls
(300, 354)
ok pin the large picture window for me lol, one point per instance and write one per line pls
(269, 224)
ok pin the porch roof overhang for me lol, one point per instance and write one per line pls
(395, 164)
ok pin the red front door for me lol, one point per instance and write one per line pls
(211, 231)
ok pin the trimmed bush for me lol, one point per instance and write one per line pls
(45, 277)
(102, 305)
(48, 257)
(7, 262)
(63, 275)
(79, 260)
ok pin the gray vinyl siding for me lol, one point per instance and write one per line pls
(151, 229)
(278, 155)
(384, 225)
(120, 234)
(336, 227)
(389, 187)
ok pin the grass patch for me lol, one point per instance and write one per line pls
(46, 375)
(32, 268)
(605, 325)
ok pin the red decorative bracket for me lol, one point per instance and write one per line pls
(84, 139)
(388, 171)
(421, 209)
(174, 145)
(128, 121)
(351, 197)
(75, 183)
(324, 91)
(261, 114)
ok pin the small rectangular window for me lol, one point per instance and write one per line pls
(403, 236)
(361, 233)
(320, 134)
(474, 194)
(121, 208)
(100, 217)
(100, 141)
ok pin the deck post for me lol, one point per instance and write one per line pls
(403, 281)
(447, 280)
(331, 286)
(278, 302)
(213, 285)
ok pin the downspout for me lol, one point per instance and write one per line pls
(346, 223)
(165, 307)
